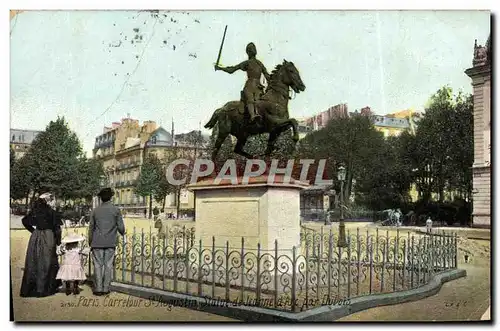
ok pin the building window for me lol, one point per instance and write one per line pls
(13, 137)
(153, 140)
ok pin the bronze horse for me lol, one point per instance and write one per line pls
(272, 106)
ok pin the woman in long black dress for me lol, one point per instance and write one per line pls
(41, 265)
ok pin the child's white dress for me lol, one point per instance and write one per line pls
(71, 267)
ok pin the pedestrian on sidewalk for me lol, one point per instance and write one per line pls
(105, 223)
(71, 270)
(41, 265)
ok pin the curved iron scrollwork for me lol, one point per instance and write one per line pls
(316, 272)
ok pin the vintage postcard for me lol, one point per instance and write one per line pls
(256, 166)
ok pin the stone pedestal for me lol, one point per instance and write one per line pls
(258, 212)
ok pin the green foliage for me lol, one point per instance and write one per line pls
(442, 150)
(20, 177)
(89, 180)
(352, 142)
(56, 154)
(437, 158)
(12, 158)
(150, 176)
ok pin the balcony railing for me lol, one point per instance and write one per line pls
(127, 165)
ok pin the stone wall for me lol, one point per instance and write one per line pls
(481, 82)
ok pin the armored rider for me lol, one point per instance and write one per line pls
(255, 69)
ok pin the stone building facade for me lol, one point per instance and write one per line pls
(123, 147)
(480, 73)
(21, 140)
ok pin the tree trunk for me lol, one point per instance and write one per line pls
(164, 201)
(150, 205)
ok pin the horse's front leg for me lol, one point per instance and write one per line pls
(238, 149)
(294, 124)
(273, 136)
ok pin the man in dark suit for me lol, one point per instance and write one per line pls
(105, 222)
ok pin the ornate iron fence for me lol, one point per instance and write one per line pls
(318, 272)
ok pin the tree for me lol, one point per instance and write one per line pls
(89, 180)
(442, 149)
(21, 176)
(351, 141)
(164, 188)
(56, 154)
(149, 178)
(179, 172)
(12, 158)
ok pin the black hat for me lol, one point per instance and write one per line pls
(106, 193)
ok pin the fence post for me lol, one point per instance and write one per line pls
(405, 257)
(307, 275)
(132, 264)
(294, 277)
(227, 270)
(213, 267)
(142, 257)
(358, 243)
(200, 269)
(339, 266)
(329, 265)
(163, 256)
(419, 261)
(175, 265)
(124, 256)
(153, 248)
(395, 257)
(412, 261)
(242, 268)
(456, 250)
(348, 264)
(443, 252)
(257, 294)
(449, 251)
(369, 248)
(276, 258)
(371, 262)
(186, 252)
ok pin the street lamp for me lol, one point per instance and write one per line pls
(328, 218)
(341, 177)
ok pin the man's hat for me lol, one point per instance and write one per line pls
(106, 193)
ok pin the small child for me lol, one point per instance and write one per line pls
(71, 270)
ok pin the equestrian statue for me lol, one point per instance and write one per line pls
(257, 111)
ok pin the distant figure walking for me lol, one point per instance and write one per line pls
(41, 265)
(105, 223)
(428, 225)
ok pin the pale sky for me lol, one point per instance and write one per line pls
(72, 63)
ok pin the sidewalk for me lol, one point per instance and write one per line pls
(464, 299)
(86, 306)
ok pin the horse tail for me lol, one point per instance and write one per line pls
(214, 119)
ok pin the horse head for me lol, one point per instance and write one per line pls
(291, 77)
